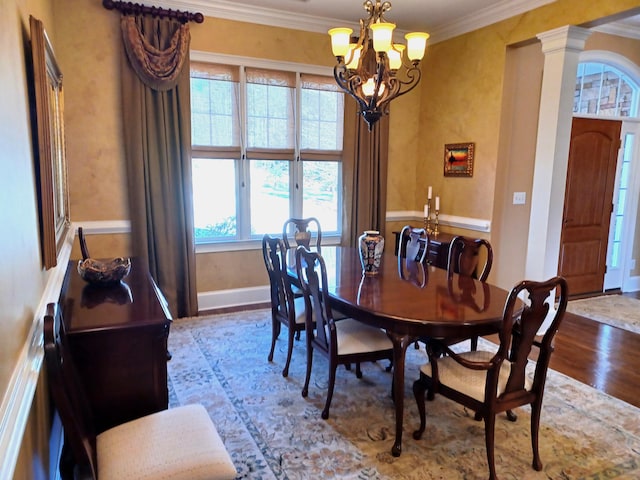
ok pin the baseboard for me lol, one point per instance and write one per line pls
(632, 285)
(16, 404)
(221, 299)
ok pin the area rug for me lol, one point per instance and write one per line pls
(616, 310)
(272, 432)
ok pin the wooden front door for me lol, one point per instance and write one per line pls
(593, 154)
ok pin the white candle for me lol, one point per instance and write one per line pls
(437, 203)
(429, 193)
(426, 210)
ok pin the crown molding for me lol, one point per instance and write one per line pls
(279, 18)
(620, 29)
(486, 16)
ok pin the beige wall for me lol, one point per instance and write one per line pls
(460, 99)
(23, 279)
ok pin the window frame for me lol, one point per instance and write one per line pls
(330, 238)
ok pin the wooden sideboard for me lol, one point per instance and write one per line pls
(438, 249)
(118, 336)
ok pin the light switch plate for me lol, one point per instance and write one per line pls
(519, 198)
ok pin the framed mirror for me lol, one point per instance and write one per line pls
(50, 152)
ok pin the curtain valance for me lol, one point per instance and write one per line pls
(158, 68)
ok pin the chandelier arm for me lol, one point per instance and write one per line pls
(414, 74)
(348, 83)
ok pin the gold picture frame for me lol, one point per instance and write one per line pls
(48, 133)
(458, 159)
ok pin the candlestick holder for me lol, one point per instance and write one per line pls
(427, 219)
(435, 230)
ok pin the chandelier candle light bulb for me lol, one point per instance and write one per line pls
(373, 70)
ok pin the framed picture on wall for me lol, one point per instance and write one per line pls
(50, 152)
(458, 159)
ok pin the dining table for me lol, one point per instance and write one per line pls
(408, 300)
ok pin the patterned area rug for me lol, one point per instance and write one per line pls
(272, 432)
(616, 310)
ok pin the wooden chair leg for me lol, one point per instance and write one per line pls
(474, 344)
(511, 416)
(535, 426)
(275, 332)
(285, 370)
(489, 432)
(305, 388)
(419, 388)
(332, 383)
(358, 370)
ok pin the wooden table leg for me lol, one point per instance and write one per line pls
(400, 344)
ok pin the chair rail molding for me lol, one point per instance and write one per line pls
(467, 223)
(16, 404)
(103, 227)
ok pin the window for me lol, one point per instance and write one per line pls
(267, 145)
(604, 90)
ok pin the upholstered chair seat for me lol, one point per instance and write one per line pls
(355, 337)
(176, 444)
(471, 382)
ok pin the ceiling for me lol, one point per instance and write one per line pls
(441, 18)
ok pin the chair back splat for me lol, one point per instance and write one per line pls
(490, 383)
(414, 244)
(465, 254)
(305, 231)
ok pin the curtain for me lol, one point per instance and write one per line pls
(365, 174)
(157, 134)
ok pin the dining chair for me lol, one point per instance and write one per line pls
(490, 383)
(465, 256)
(286, 309)
(180, 443)
(411, 254)
(305, 231)
(413, 244)
(341, 342)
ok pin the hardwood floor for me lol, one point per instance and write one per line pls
(605, 357)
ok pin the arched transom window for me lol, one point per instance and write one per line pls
(604, 90)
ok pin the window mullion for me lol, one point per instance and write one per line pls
(297, 167)
(244, 185)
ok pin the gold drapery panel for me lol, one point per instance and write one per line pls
(365, 165)
(157, 138)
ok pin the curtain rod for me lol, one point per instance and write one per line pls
(135, 8)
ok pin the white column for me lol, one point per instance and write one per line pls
(561, 48)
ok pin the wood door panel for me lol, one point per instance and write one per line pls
(580, 258)
(593, 155)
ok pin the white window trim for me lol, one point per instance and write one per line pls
(254, 62)
(626, 66)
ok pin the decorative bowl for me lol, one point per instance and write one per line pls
(104, 272)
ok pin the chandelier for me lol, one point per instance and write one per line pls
(373, 69)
